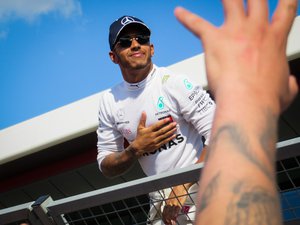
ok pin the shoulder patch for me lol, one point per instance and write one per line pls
(165, 79)
(188, 85)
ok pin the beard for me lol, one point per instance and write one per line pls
(130, 63)
(135, 64)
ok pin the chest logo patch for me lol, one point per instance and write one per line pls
(121, 114)
(160, 104)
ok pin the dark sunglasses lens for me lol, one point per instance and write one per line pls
(142, 39)
(125, 42)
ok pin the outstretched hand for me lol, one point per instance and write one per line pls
(248, 73)
(248, 51)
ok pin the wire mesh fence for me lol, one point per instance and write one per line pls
(288, 180)
(126, 211)
(141, 202)
(138, 210)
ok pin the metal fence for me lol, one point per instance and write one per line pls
(129, 203)
(126, 203)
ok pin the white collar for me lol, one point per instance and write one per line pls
(141, 84)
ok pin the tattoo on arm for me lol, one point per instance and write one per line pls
(249, 204)
(209, 192)
(252, 205)
(116, 164)
(240, 143)
(268, 137)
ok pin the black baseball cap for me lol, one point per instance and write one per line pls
(118, 25)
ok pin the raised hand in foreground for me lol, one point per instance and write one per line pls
(249, 75)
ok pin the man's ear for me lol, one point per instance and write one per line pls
(113, 57)
(152, 49)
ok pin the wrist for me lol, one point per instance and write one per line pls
(240, 104)
(188, 185)
(246, 112)
(132, 151)
(247, 93)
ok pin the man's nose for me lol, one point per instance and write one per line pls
(135, 43)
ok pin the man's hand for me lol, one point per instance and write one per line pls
(174, 203)
(248, 73)
(150, 138)
(247, 50)
(178, 196)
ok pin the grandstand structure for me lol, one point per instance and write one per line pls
(49, 173)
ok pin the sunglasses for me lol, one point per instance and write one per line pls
(126, 42)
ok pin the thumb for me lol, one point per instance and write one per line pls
(293, 89)
(143, 118)
(197, 25)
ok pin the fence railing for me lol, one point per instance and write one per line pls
(129, 203)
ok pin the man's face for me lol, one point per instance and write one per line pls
(132, 50)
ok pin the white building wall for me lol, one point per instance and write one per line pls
(79, 118)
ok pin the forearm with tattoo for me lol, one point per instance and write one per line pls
(118, 163)
(245, 197)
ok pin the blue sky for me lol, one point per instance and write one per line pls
(55, 52)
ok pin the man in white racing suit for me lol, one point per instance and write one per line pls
(162, 115)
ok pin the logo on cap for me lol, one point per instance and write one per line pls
(127, 20)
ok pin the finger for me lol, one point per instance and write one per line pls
(293, 88)
(166, 132)
(284, 15)
(203, 155)
(258, 10)
(176, 212)
(293, 85)
(143, 120)
(165, 215)
(164, 140)
(170, 214)
(192, 22)
(168, 128)
(161, 124)
(234, 10)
